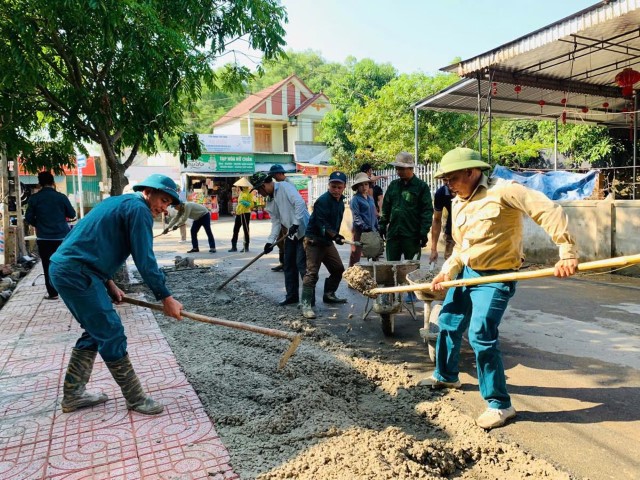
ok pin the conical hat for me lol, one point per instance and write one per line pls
(243, 182)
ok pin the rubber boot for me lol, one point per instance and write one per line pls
(126, 378)
(329, 295)
(246, 247)
(75, 381)
(234, 246)
(305, 303)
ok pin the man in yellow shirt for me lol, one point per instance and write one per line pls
(487, 228)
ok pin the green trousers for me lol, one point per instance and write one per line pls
(398, 246)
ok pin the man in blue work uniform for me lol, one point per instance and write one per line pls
(322, 231)
(81, 271)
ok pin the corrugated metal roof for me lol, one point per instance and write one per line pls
(576, 58)
(462, 97)
(581, 53)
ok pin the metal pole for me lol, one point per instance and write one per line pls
(479, 117)
(415, 134)
(635, 140)
(555, 146)
(489, 128)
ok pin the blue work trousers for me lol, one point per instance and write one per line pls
(86, 297)
(479, 308)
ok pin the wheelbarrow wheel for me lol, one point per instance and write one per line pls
(386, 322)
(434, 330)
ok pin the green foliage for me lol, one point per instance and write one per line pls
(121, 74)
(385, 125)
(517, 144)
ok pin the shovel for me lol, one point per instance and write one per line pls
(509, 277)
(295, 339)
(251, 262)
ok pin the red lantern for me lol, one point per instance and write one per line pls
(542, 103)
(585, 109)
(494, 91)
(626, 79)
(517, 89)
(605, 105)
(564, 117)
(563, 101)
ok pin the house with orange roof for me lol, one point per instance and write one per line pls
(277, 125)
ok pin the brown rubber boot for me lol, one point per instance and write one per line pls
(77, 376)
(126, 378)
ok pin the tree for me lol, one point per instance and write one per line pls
(356, 85)
(121, 74)
(384, 126)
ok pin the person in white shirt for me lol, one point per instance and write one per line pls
(287, 209)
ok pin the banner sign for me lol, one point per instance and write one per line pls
(225, 143)
(216, 162)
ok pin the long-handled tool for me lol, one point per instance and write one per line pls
(251, 262)
(510, 277)
(172, 229)
(295, 339)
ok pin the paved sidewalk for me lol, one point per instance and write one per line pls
(38, 441)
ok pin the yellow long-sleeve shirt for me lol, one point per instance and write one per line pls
(245, 203)
(487, 226)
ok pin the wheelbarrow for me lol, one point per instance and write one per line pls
(432, 306)
(390, 274)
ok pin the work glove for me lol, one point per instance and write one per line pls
(423, 242)
(383, 233)
(268, 248)
(165, 231)
(339, 239)
(175, 227)
(293, 229)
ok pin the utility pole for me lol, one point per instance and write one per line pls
(4, 193)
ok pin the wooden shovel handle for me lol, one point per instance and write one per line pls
(510, 277)
(217, 321)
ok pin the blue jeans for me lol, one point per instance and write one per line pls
(479, 308)
(294, 267)
(86, 297)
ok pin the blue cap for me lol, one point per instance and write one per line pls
(277, 168)
(161, 183)
(338, 177)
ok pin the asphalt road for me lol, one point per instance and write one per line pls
(571, 351)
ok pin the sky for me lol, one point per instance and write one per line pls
(416, 35)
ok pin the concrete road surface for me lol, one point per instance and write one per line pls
(571, 350)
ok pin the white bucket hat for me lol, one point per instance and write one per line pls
(359, 179)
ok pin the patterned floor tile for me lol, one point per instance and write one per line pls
(112, 413)
(125, 470)
(52, 361)
(91, 449)
(171, 429)
(26, 462)
(35, 403)
(25, 384)
(25, 430)
(204, 460)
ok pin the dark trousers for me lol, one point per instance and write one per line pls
(318, 254)
(205, 222)
(295, 266)
(399, 246)
(242, 219)
(46, 248)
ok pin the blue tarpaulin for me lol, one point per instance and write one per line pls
(557, 185)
